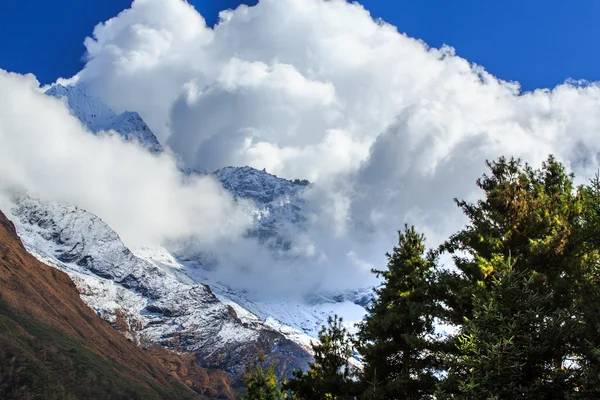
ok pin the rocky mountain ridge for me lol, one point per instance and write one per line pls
(155, 299)
(98, 117)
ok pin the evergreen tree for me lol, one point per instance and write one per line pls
(396, 338)
(529, 327)
(503, 348)
(528, 214)
(330, 376)
(261, 383)
(588, 290)
(532, 215)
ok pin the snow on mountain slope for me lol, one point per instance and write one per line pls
(164, 296)
(260, 186)
(298, 319)
(97, 116)
(279, 216)
(158, 301)
(280, 211)
(306, 315)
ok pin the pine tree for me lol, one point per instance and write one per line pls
(330, 375)
(503, 349)
(588, 290)
(396, 338)
(529, 327)
(526, 214)
(531, 215)
(261, 383)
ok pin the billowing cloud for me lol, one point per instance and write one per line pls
(46, 151)
(389, 129)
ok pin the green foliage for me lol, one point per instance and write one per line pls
(524, 296)
(396, 339)
(527, 214)
(588, 288)
(506, 349)
(261, 383)
(330, 376)
(528, 313)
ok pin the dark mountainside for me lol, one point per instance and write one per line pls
(53, 346)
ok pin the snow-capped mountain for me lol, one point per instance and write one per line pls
(164, 296)
(154, 295)
(280, 214)
(97, 117)
(279, 205)
(260, 186)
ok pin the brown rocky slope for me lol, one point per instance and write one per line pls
(53, 346)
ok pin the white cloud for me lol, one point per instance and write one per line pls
(47, 152)
(390, 130)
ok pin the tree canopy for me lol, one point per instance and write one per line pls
(523, 295)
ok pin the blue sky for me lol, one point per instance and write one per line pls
(538, 43)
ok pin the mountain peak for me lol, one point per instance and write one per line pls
(97, 116)
(90, 110)
(258, 185)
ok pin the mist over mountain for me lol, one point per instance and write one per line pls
(162, 293)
